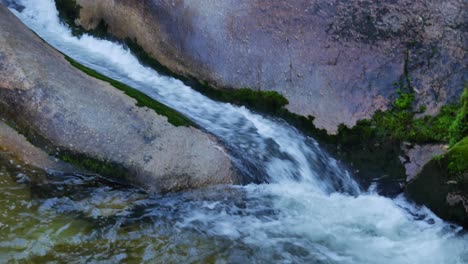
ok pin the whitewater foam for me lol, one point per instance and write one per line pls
(299, 216)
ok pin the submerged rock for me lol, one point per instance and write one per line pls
(335, 60)
(92, 124)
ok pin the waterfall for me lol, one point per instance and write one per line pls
(302, 206)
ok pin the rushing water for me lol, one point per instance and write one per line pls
(311, 211)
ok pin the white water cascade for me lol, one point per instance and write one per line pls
(311, 211)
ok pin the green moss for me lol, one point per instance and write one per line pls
(101, 31)
(262, 101)
(457, 160)
(444, 175)
(397, 124)
(404, 100)
(98, 166)
(83, 161)
(69, 12)
(459, 127)
(173, 116)
(400, 123)
(372, 147)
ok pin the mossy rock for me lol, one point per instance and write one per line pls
(443, 177)
(457, 162)
(173, 117)
(110, 169)
(381, 135)
(459, 128)
(262, 101)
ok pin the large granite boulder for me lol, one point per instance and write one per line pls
(85, 120)
(335, 60)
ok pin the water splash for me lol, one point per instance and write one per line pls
(266, 150)
(296, 218)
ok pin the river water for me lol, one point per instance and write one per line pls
(304, 207)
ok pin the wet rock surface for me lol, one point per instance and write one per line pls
(437, 190)
(61, 109)
(14, 146)
(335, 60)
(416, 156)
(442, 185)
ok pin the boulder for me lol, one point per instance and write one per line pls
(338, 60)
(442, 185)
(92, 124)
(416, 156)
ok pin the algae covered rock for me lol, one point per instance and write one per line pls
(442, 185)
(94, 125)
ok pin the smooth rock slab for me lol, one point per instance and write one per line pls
(67, 110)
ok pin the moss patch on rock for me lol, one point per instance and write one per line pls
(80, 160)
(174, 117)
(83, 161)
(459, 127)
(69, 11)
(102, 167)
(262, 101)
(372, 147)
(441, 180)
(457, 161)
(442, 185)
(401, 124)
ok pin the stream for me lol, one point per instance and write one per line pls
(301, 206)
